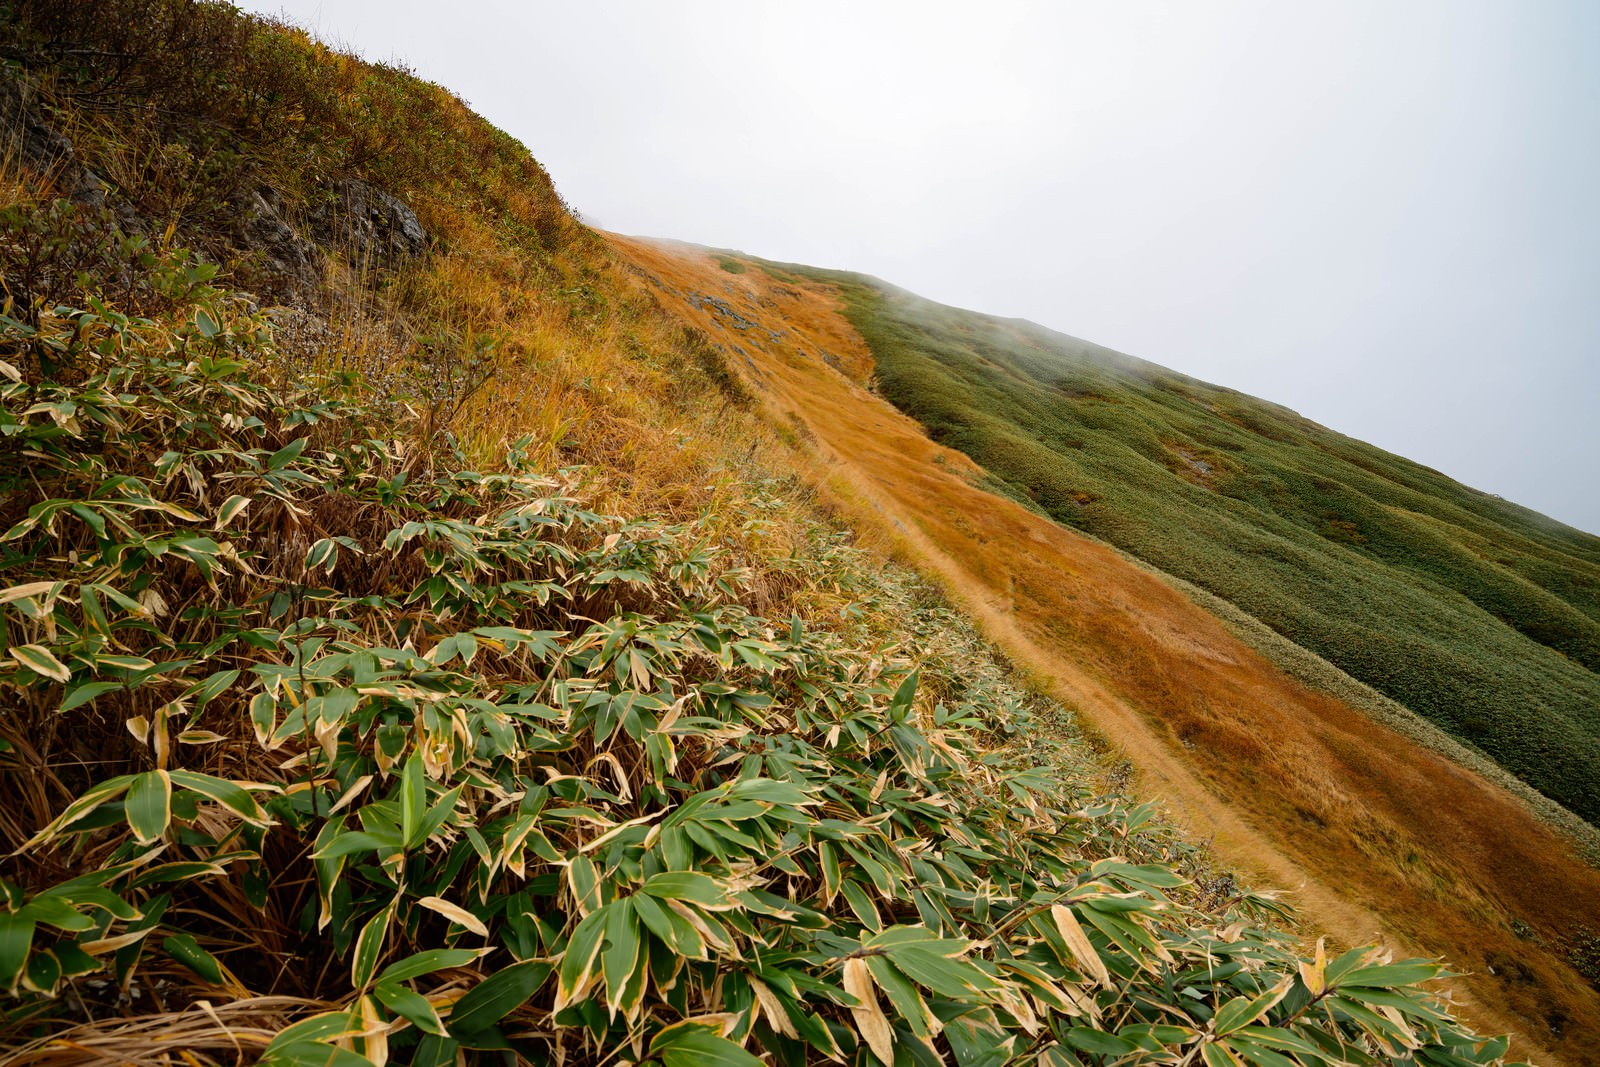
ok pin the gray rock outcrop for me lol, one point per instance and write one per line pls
(27, 137)
(369, 223)
(293, 262)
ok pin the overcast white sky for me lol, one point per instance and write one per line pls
(1385, 215)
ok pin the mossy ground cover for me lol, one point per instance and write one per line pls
(1480, 615)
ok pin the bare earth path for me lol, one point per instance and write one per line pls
(1376, 838)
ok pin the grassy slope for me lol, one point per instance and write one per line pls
(1374, 831)
(1480, 615)
(677, 506)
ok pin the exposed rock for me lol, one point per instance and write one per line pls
(720, 309)
(292, 262)
(360, 220)
(27, 137)
(369, 223)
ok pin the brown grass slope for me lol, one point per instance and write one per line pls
(1377, 836)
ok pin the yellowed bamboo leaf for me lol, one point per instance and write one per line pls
(772, 1008)
(17, 592)
(356, 789)
(869, 1017)
(374, 1036)
(702, 927)
(1394, 1016)
(1314, 972)
(456, 914)
(1082, 950)
(112, 944)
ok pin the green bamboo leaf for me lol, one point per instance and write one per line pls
(903, 996)
(212, 686)
(437, 814)
(369, 946)
(497, 996)
(326, 1026)
(1493, 1049)
(313, 1054)
(1241, 1011)
(132, 664)
(687, 885)
(860, 904)
(43, 973)
(324, 552)
(206, 324)
(149, 805)
(230, 795)
(948, 977)
(16, 937)
(770, 791)
(433, 959)
(187, 951)
(183, 871)
(583, 949)
(80, 695)
(621, 954)
(1257, 1054)
(1276, 1038)
(828, 856)
(1099, 1043)
(231, 509)
(413, 799)
(1393, 974)
(907, 691)
(41, 661)
(1347, 962)
(95, 521)
(696, 1046)
(55, 907)
(676, 932)
(345, 844)
(286, 455)
(1219, 1054)
(410, 1005)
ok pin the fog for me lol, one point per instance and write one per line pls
(1382, 215)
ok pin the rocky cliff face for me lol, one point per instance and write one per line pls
(28, 137)
(285, 245)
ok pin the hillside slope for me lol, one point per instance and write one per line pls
(417, 646)
(1374, 832)
(1477, 614)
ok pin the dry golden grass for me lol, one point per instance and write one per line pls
(1376, 836)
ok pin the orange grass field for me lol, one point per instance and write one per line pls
(1374, 837)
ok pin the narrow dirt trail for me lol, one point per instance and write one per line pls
(1374, 838)
(1165, 778)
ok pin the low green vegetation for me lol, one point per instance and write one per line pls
(1479, 615)
(441, 760)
